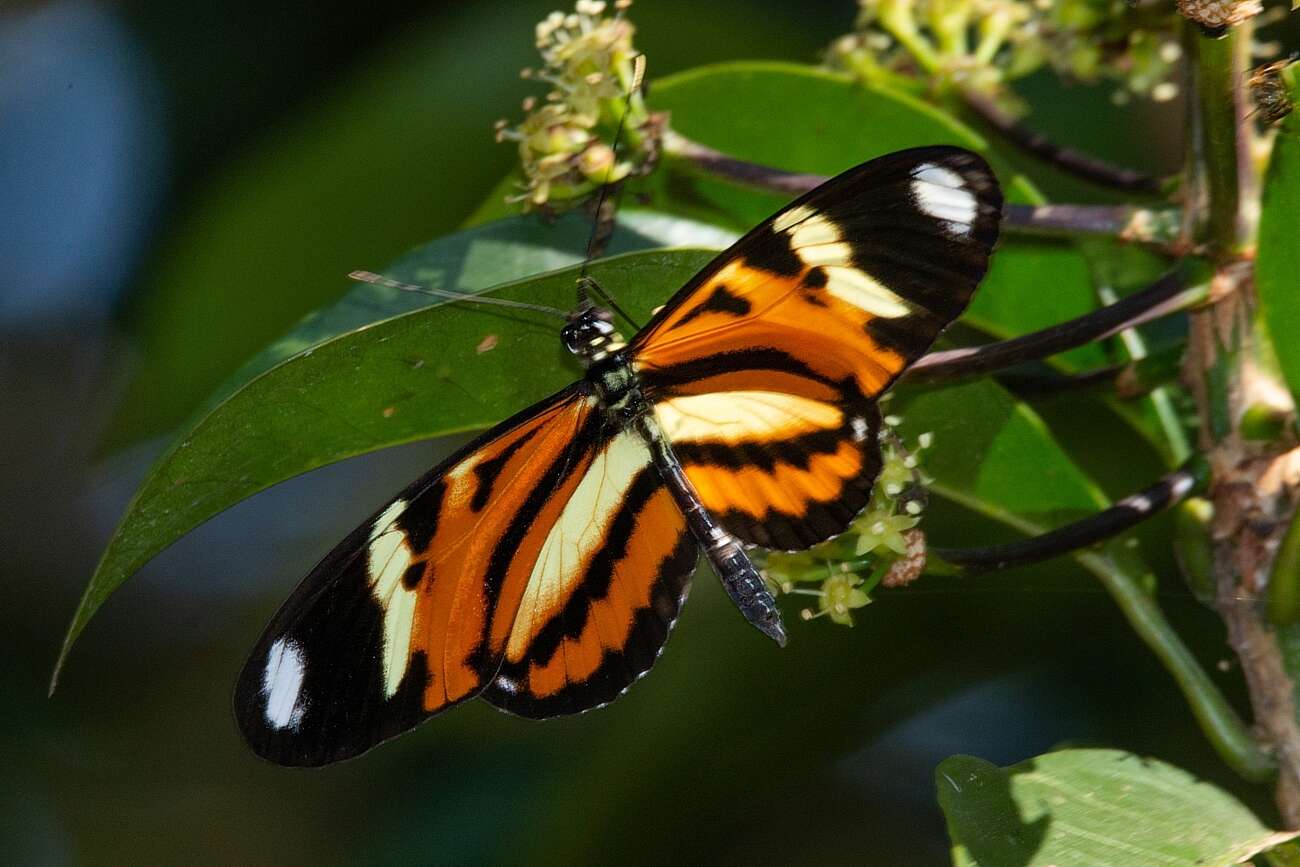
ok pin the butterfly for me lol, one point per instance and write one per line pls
(542, 566)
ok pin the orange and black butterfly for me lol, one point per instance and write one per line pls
(542, 566)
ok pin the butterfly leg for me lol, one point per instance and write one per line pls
(733, 567)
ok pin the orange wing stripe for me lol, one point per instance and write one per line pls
(592, 640)
(464, 559)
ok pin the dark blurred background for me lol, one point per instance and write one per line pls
(161, 162)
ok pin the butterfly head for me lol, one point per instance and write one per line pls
(590, 334)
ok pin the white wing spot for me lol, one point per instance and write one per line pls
(281, 683)
(942, 194)
(859, 426)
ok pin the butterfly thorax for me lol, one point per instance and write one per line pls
(590, 335)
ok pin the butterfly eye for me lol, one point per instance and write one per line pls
(588, 333)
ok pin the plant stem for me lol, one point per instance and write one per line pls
(1245, 528)
(1216, 95)
(1223, 727)
(1067, 159)
(1284, 583)
(1168, 294)
(1138, 225)
(1128, 381)
(1126, 222)
(705, 159)
(1162, 403)
(1169, 490)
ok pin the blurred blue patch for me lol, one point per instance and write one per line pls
(82, 160)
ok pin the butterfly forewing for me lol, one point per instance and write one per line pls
(764, 370)
(410, 614)
(545, 563)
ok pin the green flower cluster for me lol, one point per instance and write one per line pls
(980, 45)
(566, 141)
(879, 538)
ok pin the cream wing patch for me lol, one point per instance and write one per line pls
(818, 243)
(389, 557)
(737, 416)
(578, 533)
(860, 289)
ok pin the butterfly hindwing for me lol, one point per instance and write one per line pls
(776, 469)
(606, 590)
(766, 367)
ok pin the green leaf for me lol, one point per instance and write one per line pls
(995, 456)
(400, 150)
(1277, 266)
(1093, 806)
(349, 182)
(993, 450)
(793, 117)
(443, 369)
(471, 261)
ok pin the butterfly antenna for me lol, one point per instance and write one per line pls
(599, 291)
(599, 222)
(380, 280)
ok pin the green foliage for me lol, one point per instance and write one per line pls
(1277, 266)
(473, 261)
(993, 450)
(398, 152)
(1091, 806)
(379, 367)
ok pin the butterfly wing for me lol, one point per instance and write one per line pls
(409, 615)
(607, 588)
(543, 563)
(764, 370)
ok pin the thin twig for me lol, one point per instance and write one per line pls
(1167, 295)
(1044, 384)
(1169, 490)
(715, 162)
(1157, 226)
(1138, 225)
(1126, 381)
(1067, 159)
(1084, 219)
